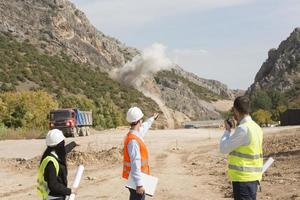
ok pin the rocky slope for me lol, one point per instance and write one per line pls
(281, 71)
(56, 26)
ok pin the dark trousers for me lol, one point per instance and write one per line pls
(245, 190)
(135, 196)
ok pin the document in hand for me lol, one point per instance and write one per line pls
(150, 183)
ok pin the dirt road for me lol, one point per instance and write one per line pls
(186, 162)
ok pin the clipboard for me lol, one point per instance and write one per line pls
(150, 183)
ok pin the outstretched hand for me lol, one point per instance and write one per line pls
(69, 147)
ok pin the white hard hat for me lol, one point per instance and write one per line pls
(54, 137)
(134, 114)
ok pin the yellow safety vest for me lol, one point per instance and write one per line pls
(246, 162)
(42, 186)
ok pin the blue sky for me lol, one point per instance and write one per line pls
(225, 40)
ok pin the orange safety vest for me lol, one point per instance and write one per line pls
(144, 156)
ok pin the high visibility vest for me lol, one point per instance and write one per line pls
(42, 186)
(246, 162)
(126, 158)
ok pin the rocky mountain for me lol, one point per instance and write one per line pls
(281, 70)
(57, 27)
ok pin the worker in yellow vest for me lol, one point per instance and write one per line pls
(136, 155)
(244, 146)
(52, 174)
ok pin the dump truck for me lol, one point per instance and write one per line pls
(72, 122)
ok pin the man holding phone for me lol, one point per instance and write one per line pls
(244, 147)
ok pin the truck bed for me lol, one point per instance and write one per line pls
(84, 118)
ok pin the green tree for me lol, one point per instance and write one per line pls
(72, 101)
(261, 100)
(26, 109)
(277, 98)
(262, 117)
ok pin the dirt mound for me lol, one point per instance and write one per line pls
(111, 156)
(19, 163)
(104, 157)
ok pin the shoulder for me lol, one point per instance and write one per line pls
(134, 137)
(133, 143)
(243, 128)
(52, 161)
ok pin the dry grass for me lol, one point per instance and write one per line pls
(20, 133)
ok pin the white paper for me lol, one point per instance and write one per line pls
(267, 164)
(77, 180)
(150, 183)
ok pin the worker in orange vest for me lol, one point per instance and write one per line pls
(136, 155)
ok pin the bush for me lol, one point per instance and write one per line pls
(276, 112)
(262, 117)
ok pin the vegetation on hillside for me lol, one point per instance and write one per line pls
(26, 109)
(294, 95)
(71, 84)
(201, 92)
(267, 106)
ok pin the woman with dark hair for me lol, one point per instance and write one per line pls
(52, 174)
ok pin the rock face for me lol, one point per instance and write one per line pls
(178, 94)
(212, 85)
(57, 26)
(281, 71)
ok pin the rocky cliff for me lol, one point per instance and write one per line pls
(281, 71)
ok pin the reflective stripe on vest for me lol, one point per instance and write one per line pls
(143, 152)
(245, 162)
(245, 169)
(242, 155)
(42, 186)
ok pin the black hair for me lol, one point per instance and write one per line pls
(134, 123)
(59, 150)
(242, 104)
